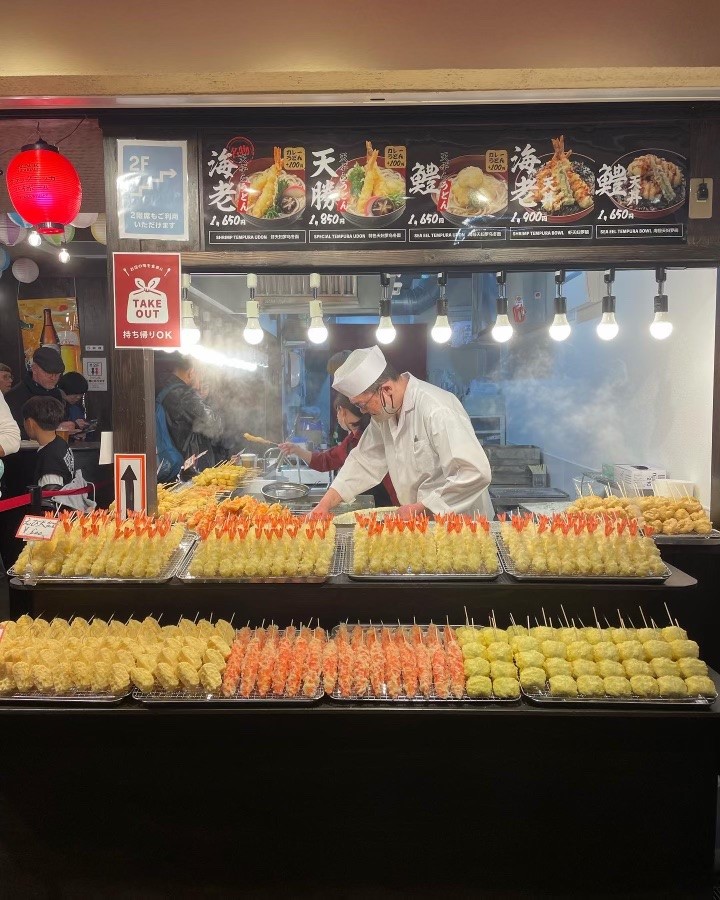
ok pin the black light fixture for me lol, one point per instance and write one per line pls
(560, 328)
(502, 330)
(386, 330)
(441, 330)
(661, 327)
(608, 327)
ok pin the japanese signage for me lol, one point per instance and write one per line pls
(465, 187)
(152, 190)
(36, 528)
(146, 291)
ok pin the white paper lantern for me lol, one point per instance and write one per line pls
(57, 240)
(18, 220)
(99, 229)
(10, 233)
(85, 220)
(25, 270)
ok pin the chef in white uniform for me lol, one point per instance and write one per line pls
(419, 433)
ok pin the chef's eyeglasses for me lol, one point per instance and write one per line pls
(362, 404)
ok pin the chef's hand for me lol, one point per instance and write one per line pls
(410, 510)
(327, 503)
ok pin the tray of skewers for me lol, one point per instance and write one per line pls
(99, 548)
(417, 664)
(594, 666)
(249, 666)
(453, 547)
(68, 662)
(579, 547)
(277, 548)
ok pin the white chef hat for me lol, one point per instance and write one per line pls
(361, 369)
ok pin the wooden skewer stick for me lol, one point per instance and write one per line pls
(564, 615)
(467, 621)
(543, 612)
(668, 612)
(643, 616)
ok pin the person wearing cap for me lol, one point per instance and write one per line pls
(419, 434)
(41, 381)
(72, 386)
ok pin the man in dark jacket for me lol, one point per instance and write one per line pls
(192, 425)
(41, 381)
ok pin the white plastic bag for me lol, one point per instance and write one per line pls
(147, 305)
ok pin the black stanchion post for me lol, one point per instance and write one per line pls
(35, 499)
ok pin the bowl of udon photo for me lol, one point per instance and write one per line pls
(655, 183)
(369, 194)
(469, 192)
(267, 195)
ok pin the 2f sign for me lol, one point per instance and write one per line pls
(139, 163)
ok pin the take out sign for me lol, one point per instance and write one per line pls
(147, 295)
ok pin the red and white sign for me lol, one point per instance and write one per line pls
(130, 483)
(147, 293)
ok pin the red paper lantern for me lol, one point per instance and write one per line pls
(44, 187)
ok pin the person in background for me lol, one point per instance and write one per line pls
(41, 381)
(72, 386)
(6, 378)
(55, 463)
(192, 425)
(9, 433)
(354, 422)
(419, 433)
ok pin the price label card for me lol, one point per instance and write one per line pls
(36, 528)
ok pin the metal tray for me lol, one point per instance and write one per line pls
(509, 567)
(371, 697)
(347, 539)
(543, 698)
(173, 565)
(660, 539)
(183, 697)
(336, 568)
(74, 697)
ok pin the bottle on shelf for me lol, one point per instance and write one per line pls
(48, 335)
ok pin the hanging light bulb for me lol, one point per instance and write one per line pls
(441, 331)
(608, 327)
(386, 330)
(661, 326)
(63, 255)
(317, 332)
(252, 333)
(560, 328)
(34, 239)
(502, 330)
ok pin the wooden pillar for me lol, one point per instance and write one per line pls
(133, 381)
(133, 384)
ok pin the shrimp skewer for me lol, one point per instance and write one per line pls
(371, 171)
(330, 666)
(267, 195)
(313, 667)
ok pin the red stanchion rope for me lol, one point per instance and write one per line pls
(24, 499)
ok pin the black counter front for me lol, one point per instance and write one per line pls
(352, 800)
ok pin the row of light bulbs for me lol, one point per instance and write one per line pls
(660, 328)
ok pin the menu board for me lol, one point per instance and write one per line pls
(464, 187)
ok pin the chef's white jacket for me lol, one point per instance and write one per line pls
(9, 431)
(430, 451)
